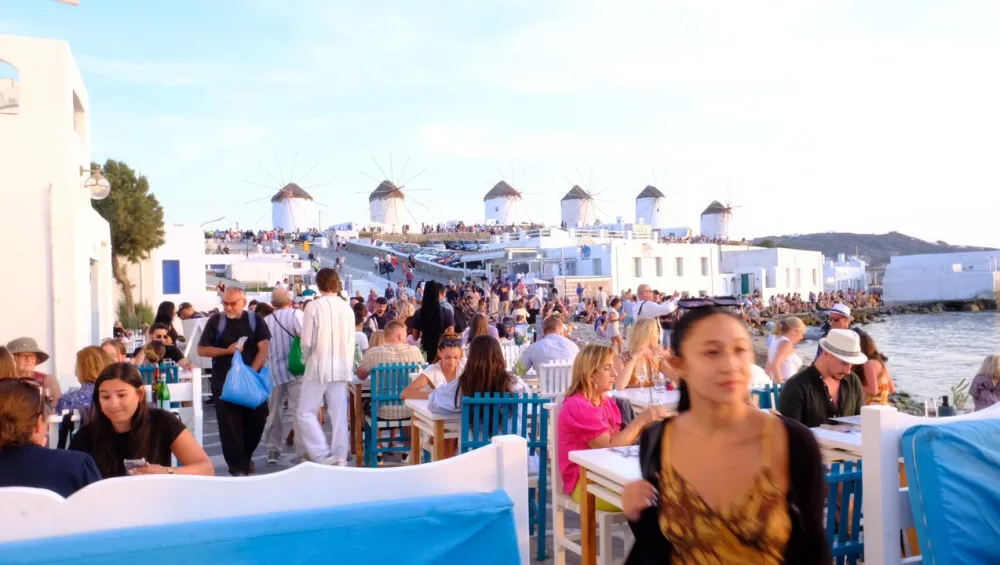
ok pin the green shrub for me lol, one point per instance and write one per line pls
(143, 315)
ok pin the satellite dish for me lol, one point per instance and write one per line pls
(98, 186)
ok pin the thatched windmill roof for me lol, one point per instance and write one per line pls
(577, 193)
(650, 192)
(501, 190)
(290, 190)
(716, 207)
(385, 191)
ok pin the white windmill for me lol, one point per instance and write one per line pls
(293, 209)
(579, 206)
(651, 208)
(504, 205)
(387, 203)
(715, 220)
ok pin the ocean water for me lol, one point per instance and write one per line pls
(929, 353)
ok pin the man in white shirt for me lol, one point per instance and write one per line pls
(552, 347)
(284, 323)
(602, 299)
(647, 308)
(328, 342)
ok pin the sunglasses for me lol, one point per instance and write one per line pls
(451, 342)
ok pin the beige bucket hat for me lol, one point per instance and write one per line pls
(27, 345)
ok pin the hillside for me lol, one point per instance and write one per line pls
(876, 249)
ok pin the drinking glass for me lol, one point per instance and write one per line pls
(658, 394)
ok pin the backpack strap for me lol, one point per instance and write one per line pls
(221, 326)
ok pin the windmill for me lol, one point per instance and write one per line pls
(387, 203)
(293, 209)
(504, 204)
(651, 203)
(579, 208)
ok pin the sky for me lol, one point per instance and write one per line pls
(859, 116)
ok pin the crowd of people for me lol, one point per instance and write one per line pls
(453, 331)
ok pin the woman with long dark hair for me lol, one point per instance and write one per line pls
(433, 320)
(165, 314)
(480, 325)
(725, 482)
(123, 426)
(24, 460)
(485, 372)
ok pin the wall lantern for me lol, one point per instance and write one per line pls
(96, 184)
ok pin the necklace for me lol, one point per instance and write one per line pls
(610, 420)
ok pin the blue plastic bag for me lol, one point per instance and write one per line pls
(244, 386)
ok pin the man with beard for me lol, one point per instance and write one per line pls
(240, 428)
(827, 388)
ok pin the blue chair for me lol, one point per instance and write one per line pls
(513, 414)
(167, 371)
(843, 512)
(769, 396)
(387, 412)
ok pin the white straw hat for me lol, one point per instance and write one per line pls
(844, 345)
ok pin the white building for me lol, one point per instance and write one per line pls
(715, 221)
(578, 208)
(844, 273)
(57, 258)
(387, 208)
(651, 208)
(175, 271)
(504, 205)
(772, 270)
(942, 277)
(293, 210)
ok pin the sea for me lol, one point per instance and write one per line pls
(930, 353)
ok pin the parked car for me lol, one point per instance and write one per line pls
(407, 247)
(454, 245)
(379, 243)
(436, 244)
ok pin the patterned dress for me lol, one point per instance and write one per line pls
(753, 530)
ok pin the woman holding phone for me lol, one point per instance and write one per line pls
(124, 427)
(446, 368)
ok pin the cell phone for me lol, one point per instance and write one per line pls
(133, 464)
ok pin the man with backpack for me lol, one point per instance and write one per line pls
(284, 324)
(240, 428)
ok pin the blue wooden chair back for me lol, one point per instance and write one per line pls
(843, 512)
(492, 414)
(769, 396)
(387, 384)
(167, 371)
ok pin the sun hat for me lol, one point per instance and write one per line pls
(844, 345)
(842, 309)
(27, 345)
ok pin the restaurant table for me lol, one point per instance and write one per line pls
(441, 427)
(605, 472)
(838, 446)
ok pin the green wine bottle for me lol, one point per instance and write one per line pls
(164, 395)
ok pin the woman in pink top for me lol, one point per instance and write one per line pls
(589, 418)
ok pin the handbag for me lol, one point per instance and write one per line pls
(296, 364)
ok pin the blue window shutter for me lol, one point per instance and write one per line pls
(171, 277)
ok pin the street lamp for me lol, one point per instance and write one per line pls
(96, 184)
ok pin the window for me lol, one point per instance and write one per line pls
(704, 266)
(79, 118)
(597, 267)
(814, 277)
(171, 277)
(680, 266)
(10, 97)
(659, 266)
(637, 267)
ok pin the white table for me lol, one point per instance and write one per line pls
(639, 397)
(604, 474)
(838, 446)
(439, 426)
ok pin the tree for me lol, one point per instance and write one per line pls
(768, 243)
(136, 219)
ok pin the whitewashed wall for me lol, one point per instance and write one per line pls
(784, 270)
(699, 266)
(58, 276)
(183, 244)
(942, 277)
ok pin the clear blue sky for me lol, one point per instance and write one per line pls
(817, 116)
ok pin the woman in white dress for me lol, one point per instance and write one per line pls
(614, 333)
(782, 360)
